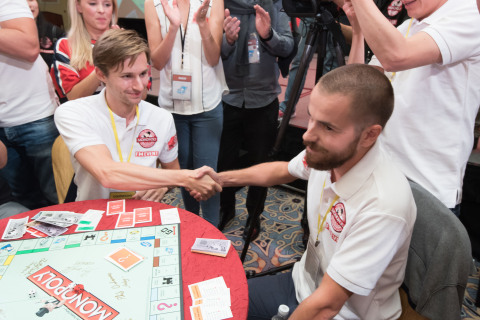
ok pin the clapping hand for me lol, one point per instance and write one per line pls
(172, 12)
(201, 15)
(262, 22)
(350, 12)
(231, 26)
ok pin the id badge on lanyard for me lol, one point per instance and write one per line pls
(182, 79)
(253, 50)
(182, 85)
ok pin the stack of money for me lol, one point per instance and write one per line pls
(15, 229)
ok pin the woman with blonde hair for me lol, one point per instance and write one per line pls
(185, 39)
(73, 72)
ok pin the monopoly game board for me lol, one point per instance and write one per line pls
(121, 274)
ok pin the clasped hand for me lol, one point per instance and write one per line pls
(205, 183)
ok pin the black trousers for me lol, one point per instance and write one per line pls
(247, 139)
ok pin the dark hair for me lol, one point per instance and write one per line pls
(117, 45)
(369, 89)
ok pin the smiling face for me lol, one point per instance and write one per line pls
(331, 139)
(33, 5)
(97, 15)
(420, 9)
(125, 87)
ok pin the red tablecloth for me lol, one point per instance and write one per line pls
(195, 267)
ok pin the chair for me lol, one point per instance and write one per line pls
(62, 169)
(439, 260)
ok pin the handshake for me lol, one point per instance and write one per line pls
(203, 183)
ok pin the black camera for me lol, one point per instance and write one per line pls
(303, 8)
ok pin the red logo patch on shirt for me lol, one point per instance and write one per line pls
(147, 138)
(172, 142)
(339, 217)
(305, 164)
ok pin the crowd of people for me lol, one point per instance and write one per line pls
(408, 114)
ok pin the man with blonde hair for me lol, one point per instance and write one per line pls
(115, 138)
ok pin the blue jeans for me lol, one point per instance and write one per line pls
(198, 145)
(29, 169)
(329, 61)
(266, 293)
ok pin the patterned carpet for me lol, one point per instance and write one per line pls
(280, 241)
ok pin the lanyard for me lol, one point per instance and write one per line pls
(406, 36)
(119, 150)
(183, 35)
(320, 224)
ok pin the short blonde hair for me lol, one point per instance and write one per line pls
(79, 38)
(116, 46)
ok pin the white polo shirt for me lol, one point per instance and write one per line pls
(86, 122)
(364, 244)
(430, 133)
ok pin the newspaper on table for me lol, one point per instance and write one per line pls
(62, 219)
(15, 229)
(216, 247)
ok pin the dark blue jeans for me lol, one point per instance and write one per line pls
(266, 293)
(198, 144)
(29, 169)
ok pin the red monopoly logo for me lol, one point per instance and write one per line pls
(81, 302)
(147, 138)
(339, 217)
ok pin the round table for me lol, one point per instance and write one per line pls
(195, 267)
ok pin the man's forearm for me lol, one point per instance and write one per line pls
(129, 176)
(19, 39)
(265, 174)
(382, 37)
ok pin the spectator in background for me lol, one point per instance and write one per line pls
(27, 104)
(73, 72)
(250, 110)
(48, 33)
(8, 207)
(185, 38)
(433, 60)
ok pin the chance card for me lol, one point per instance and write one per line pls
(115, 207)
(143, 215)
(124, 258)
(125, 220)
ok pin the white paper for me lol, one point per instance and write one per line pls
(170, 216)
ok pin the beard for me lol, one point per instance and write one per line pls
(324, 159)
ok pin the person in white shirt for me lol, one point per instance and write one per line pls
(115, 138)
(433, 60)
(27, 104)
(361, 209)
